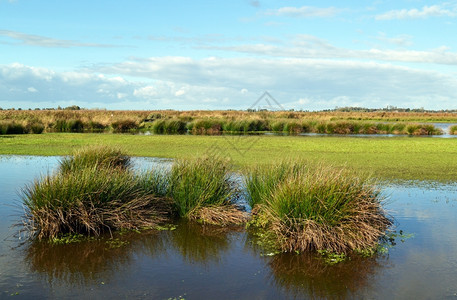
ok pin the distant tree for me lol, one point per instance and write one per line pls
(73, 107)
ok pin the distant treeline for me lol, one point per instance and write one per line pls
(253, 110)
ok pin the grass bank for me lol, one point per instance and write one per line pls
(402, 158)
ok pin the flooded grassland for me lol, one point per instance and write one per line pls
(194, 261)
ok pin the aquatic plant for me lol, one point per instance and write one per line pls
(423, 129)
(201, 190)
(168, 126)
(35, 127)
(11, 127)
(91, 201)
(95, 157)
(124, 126)
(453, 130)
(261, 181)
(318, 208)
(206, 126)
(94, 191)
(72, 125)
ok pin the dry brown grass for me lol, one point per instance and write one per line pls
(225, 215)
(360, 230)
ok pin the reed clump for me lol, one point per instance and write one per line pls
(123, 126)
(93, 192)
(201, 189)
(453, 130)
(168, 126)
(99, 157)
(72, 125)
(317, 208)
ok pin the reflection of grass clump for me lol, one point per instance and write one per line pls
(321, 208)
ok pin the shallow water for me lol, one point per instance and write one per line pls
(204, 262)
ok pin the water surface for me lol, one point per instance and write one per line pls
(205, 262)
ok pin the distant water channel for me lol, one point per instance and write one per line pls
(203, 262)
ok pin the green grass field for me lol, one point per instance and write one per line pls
(399, 158)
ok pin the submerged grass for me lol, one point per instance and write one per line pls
(318, 208)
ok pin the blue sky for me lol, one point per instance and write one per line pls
(309, 55)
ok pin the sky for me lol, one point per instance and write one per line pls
(187, 55)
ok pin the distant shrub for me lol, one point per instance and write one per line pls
(293, 127)
(206, 126)
(95, 126)
(12, 128)
(36, 128)
(73, 125)
(277, 126)
(423, 129)
(453, 130)
(124, 125)
(170, 126)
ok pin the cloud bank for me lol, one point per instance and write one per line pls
(229, 83)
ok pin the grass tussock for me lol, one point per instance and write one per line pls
(93, 192)
(95, 157)
(123, 126)
(453, 130)
(91, 201)
(201, 183)
(319, 208)
(96, 190)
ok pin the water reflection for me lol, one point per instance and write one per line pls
(202, 244)
(79, 265)
(308, 274)
(89, 262)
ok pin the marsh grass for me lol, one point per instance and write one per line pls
(206, 126)
(261, 181)
(11, 127)
(168, 126)
(123, 126)
(91, 201)
(453, 130)
(72, 125)
(199, 182)
(95, 157)
(201, 189)
(317, 208)
(422, 129)
(94, 191)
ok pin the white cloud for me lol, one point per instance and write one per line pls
(304, 12)
(180, 92)
(425, 12)
(223, 83)
(32, 89)
(324, 83)
(402, 40)
(43, 41)
(145, 92)
(307, 46)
